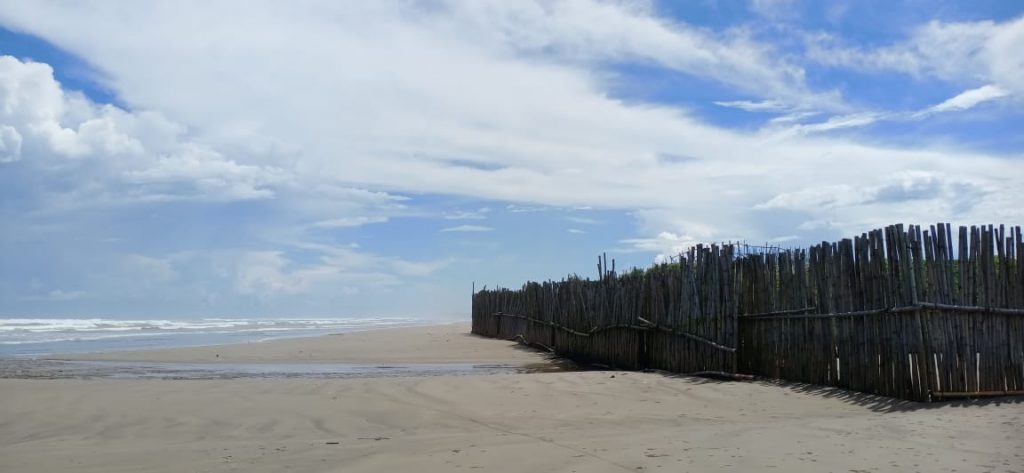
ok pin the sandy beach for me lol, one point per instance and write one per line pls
(586, 421)
(424, 344)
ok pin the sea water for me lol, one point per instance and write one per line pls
(35, 337)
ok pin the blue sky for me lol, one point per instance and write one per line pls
(377, 158)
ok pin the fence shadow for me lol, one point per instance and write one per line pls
(883, 404)
(873, 402)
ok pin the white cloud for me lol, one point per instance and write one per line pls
(350, 259)
(1002, 53)
(750, 106)
(514, 208)
(812, 225)
(826, 197)
(134, 156)
(913, 196)
(898, 188)
(336, 206)
(962, 101)
(585, 30)
(150, 269)
(790, 118)
(10, 144)
(468, 228)
(666, 245)
(269, 273)
(576, 231)
(839, 122)
(500, 101)
(480, 214)
(350, 221)
(978, 52)
(206, 174)
(583, 220)
(970, 98)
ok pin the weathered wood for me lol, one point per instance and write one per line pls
(894, 311)
(971, 394)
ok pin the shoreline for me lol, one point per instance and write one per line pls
(127, 340)
(405, 351)
(434, 343)
(138, 370)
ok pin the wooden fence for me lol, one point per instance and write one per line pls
(902, 312)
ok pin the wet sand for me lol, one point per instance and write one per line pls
(423, 344)
(591, 421)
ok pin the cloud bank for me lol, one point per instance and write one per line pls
(339, 117)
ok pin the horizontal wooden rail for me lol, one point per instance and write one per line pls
(908, 308)
(691, 336)
(960, 395)
(780, 312)
(970, 308)
(647, 326)
(567, 329)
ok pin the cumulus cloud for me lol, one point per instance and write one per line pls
(268, 273)
(518, 85)
(132, 155)
(666, 245)
(10, 144)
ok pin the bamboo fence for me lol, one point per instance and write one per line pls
(902, 311)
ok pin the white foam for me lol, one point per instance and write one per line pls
(46, 330)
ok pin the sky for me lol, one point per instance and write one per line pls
(324, 158)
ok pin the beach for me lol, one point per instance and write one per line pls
(583, 421)
(417, 344)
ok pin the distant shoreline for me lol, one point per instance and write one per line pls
(49, 338)
(433, 343)
(426, 350)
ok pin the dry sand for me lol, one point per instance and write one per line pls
(573, 421)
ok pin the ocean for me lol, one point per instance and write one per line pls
(37, 337)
